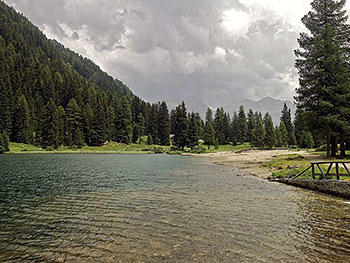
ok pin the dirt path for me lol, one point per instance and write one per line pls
(251, 161)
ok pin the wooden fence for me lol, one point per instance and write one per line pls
(317, 170)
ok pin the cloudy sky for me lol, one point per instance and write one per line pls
(217, 51)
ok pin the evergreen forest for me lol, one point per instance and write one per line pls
(51, 96)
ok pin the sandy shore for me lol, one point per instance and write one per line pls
(251, 161)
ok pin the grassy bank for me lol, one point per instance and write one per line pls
(289, 165)
(114, 147)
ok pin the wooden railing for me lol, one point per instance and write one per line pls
(318, 171)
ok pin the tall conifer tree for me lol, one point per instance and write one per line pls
(22, 131)
(242, 125)
(323, 65)
(181, 126)
(163, 124)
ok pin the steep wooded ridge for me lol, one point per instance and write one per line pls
(89, 70)
(40, 77)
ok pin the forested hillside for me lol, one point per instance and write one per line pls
(51, 96)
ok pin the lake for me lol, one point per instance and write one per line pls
(160, 208)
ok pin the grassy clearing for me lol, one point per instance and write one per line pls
(23, 148)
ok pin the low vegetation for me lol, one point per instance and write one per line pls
(291, 165)
(114, 147)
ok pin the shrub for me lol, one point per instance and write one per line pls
(198, 149)
(174, 148)
(158, 150)
(321, 148)
(49, 148)
(147, 149)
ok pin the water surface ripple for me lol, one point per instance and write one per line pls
(156, 208)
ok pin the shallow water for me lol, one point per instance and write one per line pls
(157, 208)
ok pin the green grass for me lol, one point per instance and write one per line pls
(114, 147)
(289, 165)
(22, 148)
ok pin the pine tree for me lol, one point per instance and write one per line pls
(242, 125)
(250, 124)
(287, 119)
(88, 117)
(284, 134)
(40, 113)
(5, 107)
(149, 139)
(209, 134)
(307, 140)
(322, 62)
(270, 137)
(61, 125)
(153, 123)
(181, 126)
(216, 144)
(234, 131)
(300, 125)
(209, 116)
(22, 130)
(194, 129)
(6, 141)
(2, 147)
(163, 124)
(110, 123)
(135, 133)
(141, 123)
(74, 122)
(98, 124)
(258, 133)
(123, 122)
(78, 139)
(219, 125)
(278, 134)
(50, 127)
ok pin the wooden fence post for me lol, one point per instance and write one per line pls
(337, 170)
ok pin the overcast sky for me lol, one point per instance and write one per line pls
(216, 51)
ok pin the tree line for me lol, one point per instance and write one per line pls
(51, 97)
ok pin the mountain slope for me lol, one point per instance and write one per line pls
(89, 70)
(51, 96)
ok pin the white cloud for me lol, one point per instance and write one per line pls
(219, 51)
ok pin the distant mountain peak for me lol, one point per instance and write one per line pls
(267, 104)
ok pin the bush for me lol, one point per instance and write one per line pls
(49, 148)
(199, 149)
(321, 148)
(158, 150)
(216, 145)
(147, 149)
(174, 148)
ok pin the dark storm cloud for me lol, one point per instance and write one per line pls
(216, 51)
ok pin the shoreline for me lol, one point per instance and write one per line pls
(250, 161)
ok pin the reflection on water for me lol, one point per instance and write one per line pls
(155, 208)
